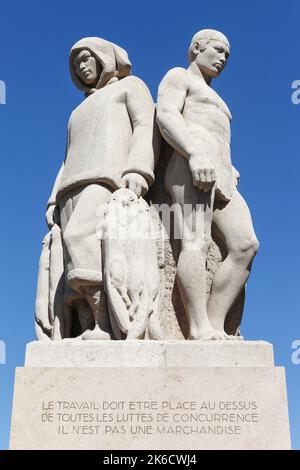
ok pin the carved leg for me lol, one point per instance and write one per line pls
(193, 212)
(96, 299)
(233, 225)
(85, 315)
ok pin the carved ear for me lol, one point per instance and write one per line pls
(196, 47)
(122, 62)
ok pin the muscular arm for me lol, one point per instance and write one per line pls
(172, 93)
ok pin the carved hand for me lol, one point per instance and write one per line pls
(52, 216)
(203, 172)
(136, 183)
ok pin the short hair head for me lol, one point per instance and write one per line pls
(204, 37)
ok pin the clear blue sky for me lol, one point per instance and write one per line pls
(35, 38)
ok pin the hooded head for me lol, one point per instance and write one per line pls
(112, 61)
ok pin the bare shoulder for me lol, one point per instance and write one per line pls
(176, 77)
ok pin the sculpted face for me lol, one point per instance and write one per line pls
(87, 67)
(212, 57)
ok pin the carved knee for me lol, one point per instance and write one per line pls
(245, 250)
(200, 245)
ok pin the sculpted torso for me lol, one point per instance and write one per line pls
(206, 115)
(99, 136)
(207, 118)
(196, 121)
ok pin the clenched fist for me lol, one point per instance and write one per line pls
(203, 172)
(136, 183)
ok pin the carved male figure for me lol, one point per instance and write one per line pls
(195, 121)
(110, 145)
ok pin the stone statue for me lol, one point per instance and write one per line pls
(128, 264)
(111, 145)
(202, 183)
(131, 276)
(94, 286)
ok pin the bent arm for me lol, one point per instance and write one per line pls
(52, 198)
(143, 145)
(172, 93)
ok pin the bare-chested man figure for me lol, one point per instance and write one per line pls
(195, 121)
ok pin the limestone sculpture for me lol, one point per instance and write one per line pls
(202, 182)
(94, 286)
(110, 145)
(130, 266)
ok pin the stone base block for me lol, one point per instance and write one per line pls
(134, 353)
(157, 407)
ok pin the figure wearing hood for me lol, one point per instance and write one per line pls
(110, 145)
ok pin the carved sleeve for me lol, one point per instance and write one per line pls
(143, 146)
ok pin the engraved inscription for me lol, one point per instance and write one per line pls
(150, 417)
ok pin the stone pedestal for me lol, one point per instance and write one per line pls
(150, 395)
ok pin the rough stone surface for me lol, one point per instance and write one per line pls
(150, 408)
(133, 353)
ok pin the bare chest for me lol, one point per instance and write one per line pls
(203, 101)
